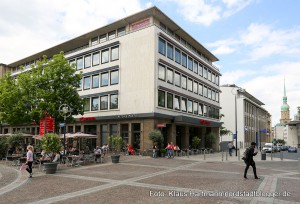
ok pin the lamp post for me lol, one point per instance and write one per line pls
(65, 111)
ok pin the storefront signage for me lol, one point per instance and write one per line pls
(204, 122)
(87, 119)
(46, 123)
(140, 24)
(160, 125)
(126, 116)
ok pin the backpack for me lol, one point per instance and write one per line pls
(245, 154)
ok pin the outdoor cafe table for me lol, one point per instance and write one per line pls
(74, 159)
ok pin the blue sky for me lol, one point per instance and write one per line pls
(256, 41)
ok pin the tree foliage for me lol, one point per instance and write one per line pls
(196, 142)
(115, 142)
(39, 91)
(51, 143)
(156, 137)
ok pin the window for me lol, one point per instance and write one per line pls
(79, 63)
(169, 100)
(103, 103)
(95, 104)
(217, 80)
(195, 108)
(114, 53)
(163, 26)
(205, 72)
(87, 82)
(196, 67)
(190, 106)
(111, 35)
(87, 61)
(182, 41)
(200, 89)
(162, 46)
(184, 59)
(190, 84)
(213, 78)
(177, 103)
(161, 72)
(217, 96)
(72, 62)
(114, 77)
(94, 41)
(183, 82)
(204, 110)
(200, 70)
(161, 98)
(104, 79)
(177, 79)
(213, 95)
(177, 37)
(209, 75)
(104, 56)
(177, 56)
(183, 104)
(209, 93)
(200, 109)
(170, 51)
(102, 38)
(205, 91)
(190, 64)
(121, 31)
(87, 104)
(195, 87)
(170, 76)
(80, 85)
(96, 58)
(113, 101)
(95, 81)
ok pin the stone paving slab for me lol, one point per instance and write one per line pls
(7, 176)
(289, 185)
(161, 162)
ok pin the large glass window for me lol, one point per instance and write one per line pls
(79, 63)
(87, 104)
(161, 72)
(114, 77)
(205, 72)
(169, 100)
(72, 62)
(95, 104)
(209, 75)
(87, 82)
(177, 102)
(162, 46)
(190, 84)
(183, 104)
(96, 58)
(200, 109)
(217, 96)
(95, 82)
(196, 67)
(177, 79)
(184, 60)
(114, 53)
(217, 80)
(170, 51)
(177, 56)
(80, 85)
(103, 38)
(104, 56)
(170, 76)
(195, 108)
(195, 87)
(104, 79)
(209, 93)
(200, 89)
(114, 101)
(87, 61)
(121, 31)
(190, 106)
(161, 98)
(94, 41)
(213, 78)
(103, 103)
(183, 81)
(204, 110)
(213, 95)
(111, 35)
(200, 70)
(190, 63)
(205, 91)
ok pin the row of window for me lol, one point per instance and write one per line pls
(108, 36)
(175, 102)
(100, 79)
(173, 77)
(175, 54)
(183, 42)
(106, 102)
(93, 59)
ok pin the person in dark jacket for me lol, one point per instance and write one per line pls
(250, 152)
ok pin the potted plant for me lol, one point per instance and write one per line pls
(157, 139)
(51, 143)
(195, 143)
(115, 143)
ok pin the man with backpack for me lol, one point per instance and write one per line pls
(248, 159)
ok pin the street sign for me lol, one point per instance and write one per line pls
(61, 124)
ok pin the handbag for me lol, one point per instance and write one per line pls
(23, 167)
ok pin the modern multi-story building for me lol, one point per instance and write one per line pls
(140, 73)
(244, 115)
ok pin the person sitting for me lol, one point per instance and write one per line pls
(105, 148)
(57, 157)
(97, 153)
(130, 150)
(45, 157)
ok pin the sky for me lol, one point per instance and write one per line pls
(257, 42)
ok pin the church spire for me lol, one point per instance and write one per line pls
(285, 108)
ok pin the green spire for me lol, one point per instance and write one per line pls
(285, 106)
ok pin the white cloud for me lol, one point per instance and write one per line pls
(30, 26)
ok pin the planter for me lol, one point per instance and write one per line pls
(50, 167)
(115, 158)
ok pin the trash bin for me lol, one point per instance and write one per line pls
(263, 155)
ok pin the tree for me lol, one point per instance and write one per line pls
(280, 141)
(51, 143)
(40, 91)
(210, 139)
(196, 142)
(16, 141)
(156, 137)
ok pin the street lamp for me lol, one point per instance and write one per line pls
(65, 111)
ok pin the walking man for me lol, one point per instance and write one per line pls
(248, 159)
(230, 148)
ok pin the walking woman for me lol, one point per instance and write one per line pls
(29, 160)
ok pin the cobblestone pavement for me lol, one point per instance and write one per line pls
(141, 179)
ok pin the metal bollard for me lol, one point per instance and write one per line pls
(222, 156)
(281, 155)
(239, 156)
(188, 153)
(204, 154)
(226, 155)
(271, 155)
(299, 165)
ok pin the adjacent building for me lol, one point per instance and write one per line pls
(140, 73)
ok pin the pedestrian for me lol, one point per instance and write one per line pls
(169, 150)
(155, 149)
(29, 160)
(248, 159)
(230, 148)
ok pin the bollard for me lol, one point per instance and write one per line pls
(226, 155)
(281, 155)
(271, 155)
(239, 156)
(204, 154)
(222, 156)
(299, 165)
(188, 153)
